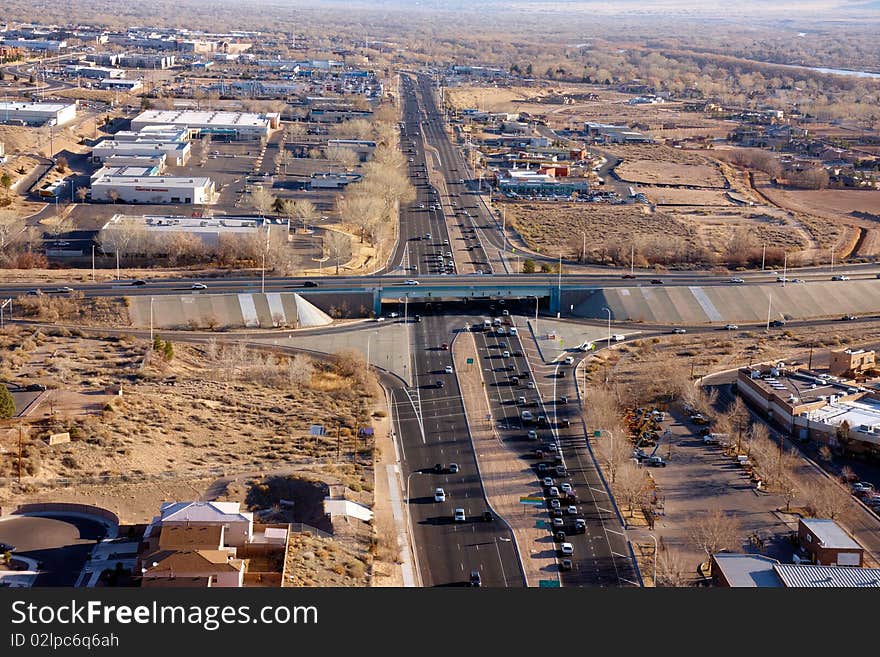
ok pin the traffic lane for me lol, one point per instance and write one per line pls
(446, 442)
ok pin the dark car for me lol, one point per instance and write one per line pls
(438, 383)
(777, 323)
(565, 423)
(35, 387)
(6, 547)
(139, 282)
(453, 468)
(565, 564)
(656, 281)
(417, 318)
(848, 318)
(438, 468)
(628, 276)
(559, 537)
(475, 579)
(487, 516)
(310, 284)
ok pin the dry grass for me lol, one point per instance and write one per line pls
(313, 561)
(660, 172)
(75, 308)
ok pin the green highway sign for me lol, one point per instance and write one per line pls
(548, 584)
(470, 361)
(542, 524)
(597, 434)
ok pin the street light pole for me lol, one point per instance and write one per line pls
(769, 305)
(151, 319)
(536, 314)
(608, 310)
(559, 287)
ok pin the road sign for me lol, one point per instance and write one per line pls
(548, 584)
(597, 434)
(542, 524)
(529, 502)
(470, 361)
(317, 430)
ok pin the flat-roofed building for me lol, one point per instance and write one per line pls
(176, 153)
(37, 113)
(847, 362)
(156, 162)
(208, 229)
(154, 189)
(828, 544)
(95, 72)
(233, 125)
(120, 84)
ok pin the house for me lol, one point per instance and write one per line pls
(239, 525)
(828, 544)
(193, 552)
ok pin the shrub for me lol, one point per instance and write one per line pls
(7, 403)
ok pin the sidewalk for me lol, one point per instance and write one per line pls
(506, 477)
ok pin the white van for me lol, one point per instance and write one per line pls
(618, 337)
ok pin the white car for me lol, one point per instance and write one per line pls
(737, 281)
(458, 515)
(505, 354)
(731, 327)
(679, 331)
(566, 487)
(439, 495)
(547, 482)
(448, 369)
(532, 435)
(553, 491)
(199, 286)
(566, 549)
(841, 277)
(571, 510)
(569, 360)
(410, 281)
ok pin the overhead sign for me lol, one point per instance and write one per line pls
(470, 361)
(549, 584)
(317, 430)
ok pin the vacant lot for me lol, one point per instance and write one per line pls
(676, 196)
(654, 172)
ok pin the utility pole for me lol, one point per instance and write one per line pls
(763, 255)
(93, 263)
(784, 269)
(337, 442)
(810, 364)
(19, 452)
(559, 287)
(769, 304)
(632, 259)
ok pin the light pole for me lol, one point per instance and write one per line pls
(500, 560)
(369, 337)
(151, 319)
(537, 301)
(608, 310)
(769, 306)
(559, 287)
(784, 269)
(263, 275)
(763, 255)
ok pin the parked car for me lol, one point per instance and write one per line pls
(458, 515)
(565, 564)
(566, 549)
(569, 360)
(439, 495)
(656, 462)
(453, 468)
(475, 579)
(448, 369)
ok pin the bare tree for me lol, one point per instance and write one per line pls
(345, 156)
(306, 211)
(630, 485)
(262, 200)
(82, 193)
(715, 530)
(671, 571)
(337, 245)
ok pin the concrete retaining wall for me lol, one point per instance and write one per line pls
(727, 303)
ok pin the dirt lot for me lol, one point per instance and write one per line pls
(653, 172)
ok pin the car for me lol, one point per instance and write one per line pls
(555, 504)
(444, 346)
(458, 515)
(380, 318)
(555, 513)
(438, 383)
(139, 282)
(449, 254)
(34, 293)
(417, 318)
(453, 468)
(505, 312)
(532, 434)
(799, 280)
(445, 242)
(34, 387)
(439, 495)
(656, 462)
(565, 423)
(566, 549)
(840, 277)
(505, 354)
(542, 467)
(427, 236)
(410, 281)
(547, 482)
(475, 579)
(448, 369)
(563, 400)
(736, 281)
(731, 327)
(569, 360)
(394, 315)
(699, 418)
(566, 488)
(198, 286)
(679, 331)
(580, 525)
(571, 510)
(557, 523)
(553, 491)
(487, 516)
(782, 279)
(656, 281)
(628, 276)
(309, 284)
(565, 564)
(862, 486)
(64, 290)
(559, 536)
(847, 318)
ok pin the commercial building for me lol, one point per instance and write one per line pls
(208, 229)
(615, 134)
(176, 153)
(134, 171)
(233, 125)
(814, 407)
(362, 147)
(524, 182)
(37, 113)
(828, 544)
(154, 189)
(94, 72)
(42, 45)
(329, 180)
(156, 162)
(141, 60)
(121, 84)
(850, 362)
(755, 570)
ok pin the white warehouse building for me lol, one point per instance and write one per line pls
(176, 153)
(207, 229)
(232, 125)
(154, 189)
(37, 113)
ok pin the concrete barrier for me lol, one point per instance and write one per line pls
(697, 304)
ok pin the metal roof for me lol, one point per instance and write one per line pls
(830, 534)
(809, 576)
(747, 570)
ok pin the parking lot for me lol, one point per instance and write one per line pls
(699, 478)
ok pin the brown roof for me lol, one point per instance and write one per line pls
(191, 561)
(183, 536)
(176, 582)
